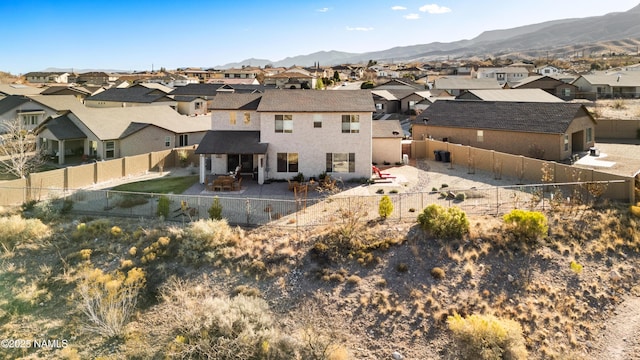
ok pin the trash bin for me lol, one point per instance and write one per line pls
(437, 155)
(446, 156)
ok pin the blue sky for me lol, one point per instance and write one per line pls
(136, 34)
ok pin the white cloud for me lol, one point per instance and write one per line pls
(434, 9)
(349, 28)
(397, 7)
(412, 16)
(323, 10)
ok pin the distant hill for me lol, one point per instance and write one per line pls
(567, 35)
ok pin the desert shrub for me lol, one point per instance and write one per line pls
(108, 300)
(385, 207)
(92, 230)
(49, 210)
(461, 197)
(15, 230)
(380, 191)
(528, 225)
(215, 211)
(199, 324)
(203, 238)
(445, 223)
(487, 337)
(128, 201)
(163, 207)
(437, 273)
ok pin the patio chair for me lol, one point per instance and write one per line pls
(238, 184)
(227, 184)
(292, 184)
(217, 185)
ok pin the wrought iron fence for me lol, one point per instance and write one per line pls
(495, 200)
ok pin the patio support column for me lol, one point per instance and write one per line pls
(261, 166)
(61, 152)
(203, 168)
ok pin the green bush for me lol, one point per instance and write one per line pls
(461, 197)
(444, 223)
(487, 337)
(163, 207)
(385, 207)
(215, 211)
(528, 225)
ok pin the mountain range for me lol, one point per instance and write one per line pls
(617, 32)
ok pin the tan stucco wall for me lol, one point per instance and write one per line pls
(149, 139)
(220, 120)
(312, 144)
(386, 149)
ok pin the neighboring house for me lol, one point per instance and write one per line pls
(18, 89)
(397, 84)
(95, 78)
(249, 73)
(33, 110)
(388, 101)
(108, 133)
(547, 70)
(291, 80)
(387, 141)
(79, 92)
(456, 85)
(520, 95)
(47, 77)
(309, 132)
(201, 74)
(137, 95)
(549, 84)
(552, 131)
(191, 105)
(502, 75)
(614, 85)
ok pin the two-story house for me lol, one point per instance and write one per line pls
(279, 134)
(32, 110)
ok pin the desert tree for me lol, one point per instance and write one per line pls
(19, 154)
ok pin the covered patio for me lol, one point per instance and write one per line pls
(222, 152)
(61, 138)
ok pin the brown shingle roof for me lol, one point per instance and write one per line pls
(550, 118)
(235, 101)
(317, 101)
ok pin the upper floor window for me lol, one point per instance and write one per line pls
(480, 135)
(566, 142)
(284, 124)
(247, 118)
(232, 118)
(589, 134)
(350, 123)
(30, 119)
(167, 141)
(317, 120)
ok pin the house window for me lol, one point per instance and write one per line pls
(379, 107)
(412, 105)
(247, 118)
(198, 104)
(566, 92)
(232, 118)
(566, 142)
(341, 162)
(184, 140)
(284, 124)
(287, 162)
(109, 149)
(317, 120)
(350, 123)
(167, 141)
(480, 135)
(589, 135)
(30, 120)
